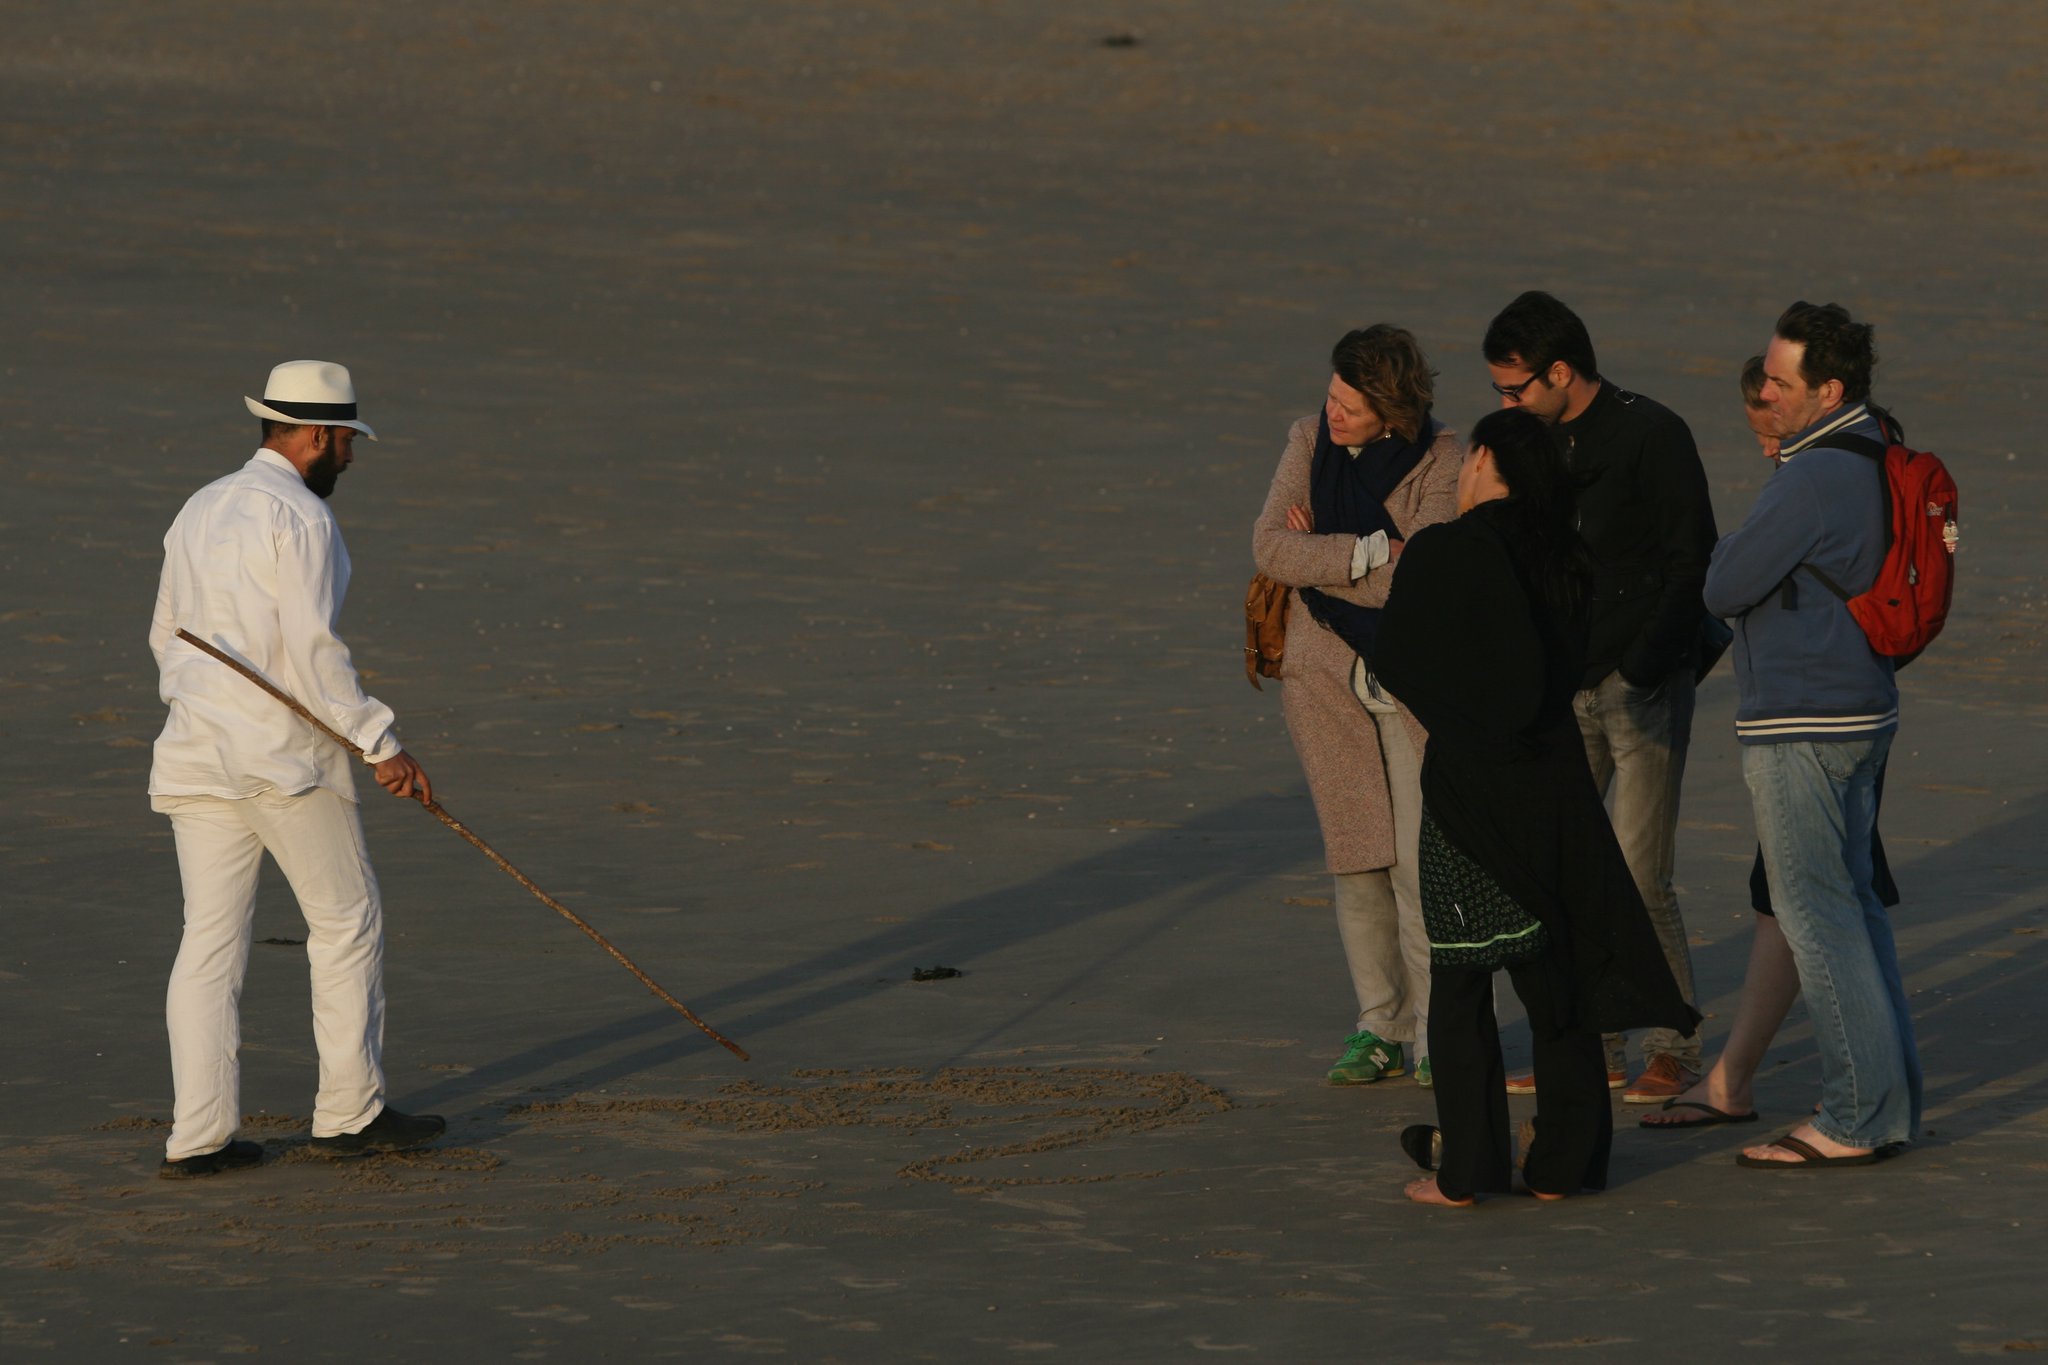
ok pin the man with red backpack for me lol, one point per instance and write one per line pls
(1818, 707)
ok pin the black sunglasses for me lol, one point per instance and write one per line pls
(1514, 391)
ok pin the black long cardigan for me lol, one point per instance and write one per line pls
(1490, 671)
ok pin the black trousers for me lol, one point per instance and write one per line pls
(1575, 1114)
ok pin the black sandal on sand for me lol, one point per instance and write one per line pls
(1424, 1144)
(1809, 1157)
(1709, 1116)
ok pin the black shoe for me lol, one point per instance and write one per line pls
(390, 1131)
(233, 1157)
(1424, 1144)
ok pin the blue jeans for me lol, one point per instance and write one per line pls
(1816, 805)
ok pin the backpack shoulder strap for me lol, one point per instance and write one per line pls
(1880, 452)
(1861, 445)
(1830, 584)
(1870, 450)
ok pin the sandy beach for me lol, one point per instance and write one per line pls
(819, 450)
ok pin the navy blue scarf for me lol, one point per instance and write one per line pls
(1348, 495)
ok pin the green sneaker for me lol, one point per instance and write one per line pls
(1367, 1058)
(1422, 1076)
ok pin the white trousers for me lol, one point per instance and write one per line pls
(316, 839)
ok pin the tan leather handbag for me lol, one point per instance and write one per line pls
(1265, 628)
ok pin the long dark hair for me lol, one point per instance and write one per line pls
(1541, 508)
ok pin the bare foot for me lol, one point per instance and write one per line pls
(1425, 1191)
(1812, 1137)
(1525, 1139)
(1711, 1090)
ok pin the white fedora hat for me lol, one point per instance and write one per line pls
(315, 393)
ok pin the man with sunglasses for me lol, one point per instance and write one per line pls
(1645, 512)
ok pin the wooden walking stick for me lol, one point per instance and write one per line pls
(445, 818)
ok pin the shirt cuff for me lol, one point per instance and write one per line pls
(388, 746)
(1368, 554)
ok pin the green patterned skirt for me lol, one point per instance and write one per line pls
(1471, 921)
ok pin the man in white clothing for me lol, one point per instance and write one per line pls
(255, 566)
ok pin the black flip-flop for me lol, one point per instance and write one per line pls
(1809, 1156)
(1709, 1116)
(1424, 1144)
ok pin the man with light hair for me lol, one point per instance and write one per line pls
(255, 566)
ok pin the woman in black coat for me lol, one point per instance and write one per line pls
(1483, 638)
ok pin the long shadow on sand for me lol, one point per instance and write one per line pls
(1152, 867)
(1971, 966)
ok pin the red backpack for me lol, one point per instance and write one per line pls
(1908, 604)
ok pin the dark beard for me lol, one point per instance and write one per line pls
(321, 474)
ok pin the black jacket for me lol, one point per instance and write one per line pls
(1491, 673)
(1646, 514)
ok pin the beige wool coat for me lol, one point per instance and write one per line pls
(1337, 741)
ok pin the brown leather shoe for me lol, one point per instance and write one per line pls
(1663, 1079)
(1526, 1085)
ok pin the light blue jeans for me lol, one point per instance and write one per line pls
(1815, 806)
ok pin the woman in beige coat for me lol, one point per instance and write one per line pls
(1353, 485)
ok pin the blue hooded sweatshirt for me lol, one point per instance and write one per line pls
(1803, 666)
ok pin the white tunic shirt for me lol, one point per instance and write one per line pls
(254, 565)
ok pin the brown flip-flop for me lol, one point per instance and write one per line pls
(1809, 1156)
(1709, 1116)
